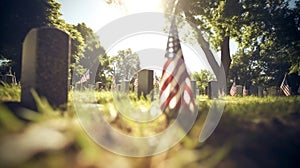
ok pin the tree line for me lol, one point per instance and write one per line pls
(267, 33)
(19, 17)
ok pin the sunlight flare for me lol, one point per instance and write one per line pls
(135, 6)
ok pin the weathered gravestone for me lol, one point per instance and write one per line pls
(212, 89)
(125, 86)
(145, 82)
(273, 91)
(194, 88)
(118, 87)
(45, 66)
(98, 85)
(9, 78)
(253, 90)
(260, 91)
(239, 90)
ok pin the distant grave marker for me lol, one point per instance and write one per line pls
(118, 87)
(239, 90)
(253, 90)
(98, 85)
(9, 78)
(125, 86)
(273, 91)
(260, 91)
(212, 89)
(145, 82)
(194, 88)
(45, 66)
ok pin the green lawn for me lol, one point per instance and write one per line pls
(253, 132)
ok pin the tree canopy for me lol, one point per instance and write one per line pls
(18, 17)
(202, 78)
(269, 43)
(267, 33)
(126, 64)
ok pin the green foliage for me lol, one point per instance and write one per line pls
(104, 72)
(252, 67)
(267, 33)
(8, 122)
(216, 19)
(103, 97)
(126, 64)
(275, 40)
(202, 79)
(247, 124)
(10, 92)
(252, 108)
(19, 17)
(92, 56)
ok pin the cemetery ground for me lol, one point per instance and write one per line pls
(253, 132)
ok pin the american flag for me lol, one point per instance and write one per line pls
(136, 82)
(85, 77)
(285, 87)
(245, 91)
(175, 84)
(233, 89)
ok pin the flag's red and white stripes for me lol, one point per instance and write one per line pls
(136, 82)
(233, 89)
(85, 77)
(285, 87)
(245, 91)
(175, 83)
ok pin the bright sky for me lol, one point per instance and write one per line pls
(96, 14)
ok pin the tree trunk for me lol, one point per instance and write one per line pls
(225, 55)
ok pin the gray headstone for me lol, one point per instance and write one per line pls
(260, 91)
(125, 86)
(194, 88)
(212, 89)
(118, 87)
(272, 91)
(45, 66)
(98, 84)
(239, 90)
(253, 90)
(198, 92)
(9, 79)
(78, 86)
(145, 79)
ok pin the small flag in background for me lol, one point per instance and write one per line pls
(136, 82)
(285, 87)
(85, 77)
(245, 91)
(175, 83)
(233, 89)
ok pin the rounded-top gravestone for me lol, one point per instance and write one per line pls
(45, 66)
